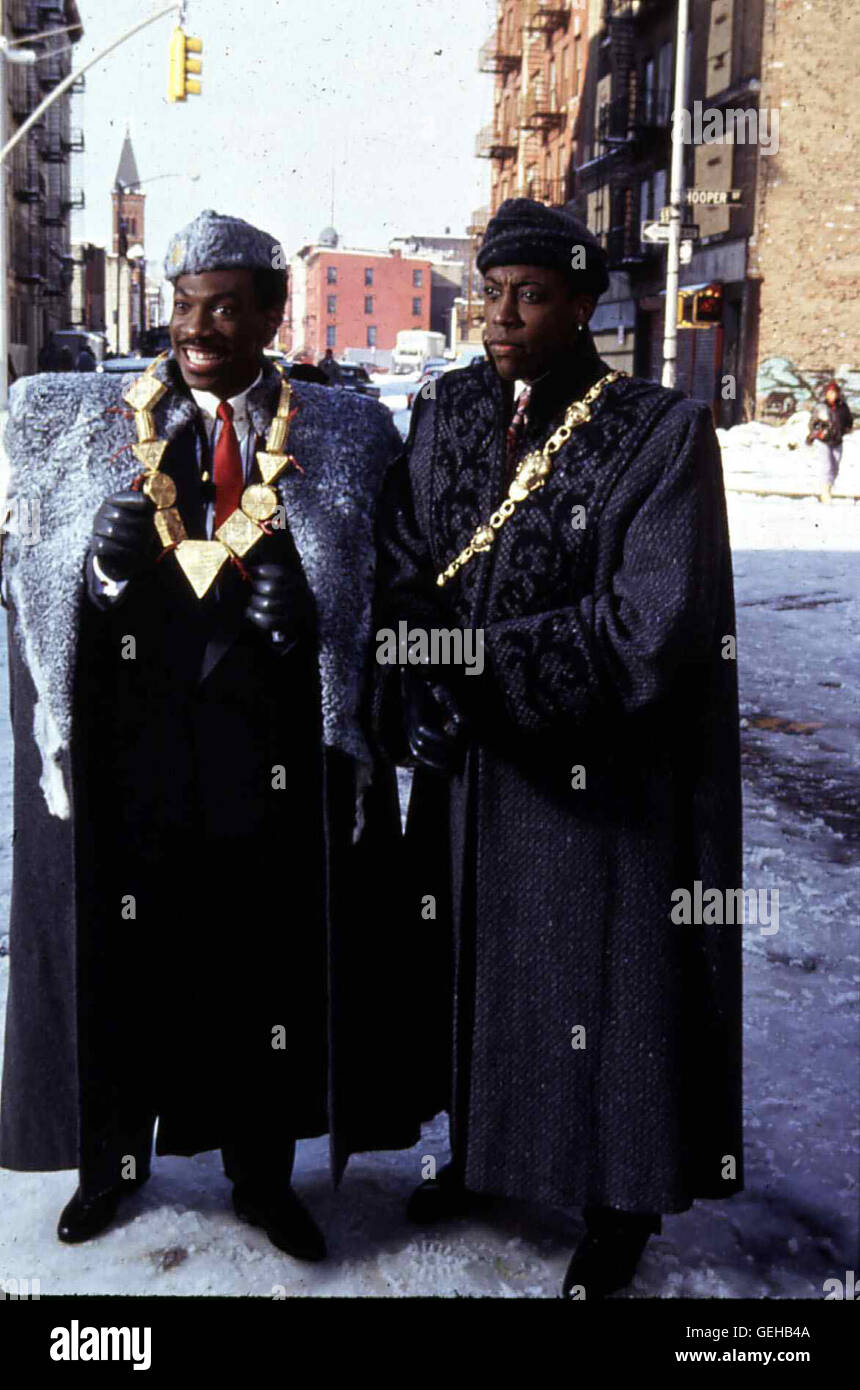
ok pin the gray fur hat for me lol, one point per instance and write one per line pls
(216, 242)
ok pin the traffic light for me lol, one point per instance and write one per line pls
(700, 308)
(182, 80)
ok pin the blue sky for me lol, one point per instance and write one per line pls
(387, 99)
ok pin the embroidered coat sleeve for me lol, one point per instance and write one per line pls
(661, 545)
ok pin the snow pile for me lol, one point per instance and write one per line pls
(776, 457)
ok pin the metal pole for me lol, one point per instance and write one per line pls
(676, 193)
(73, 77)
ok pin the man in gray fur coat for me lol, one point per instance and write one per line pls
(196, 811)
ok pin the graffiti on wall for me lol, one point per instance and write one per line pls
(783, 388)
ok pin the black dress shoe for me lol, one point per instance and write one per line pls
(82, 1217)
(442, 1198)
(287, 1223)
(607, 1257)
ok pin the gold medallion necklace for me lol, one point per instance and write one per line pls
(201, 561)
(531, 474)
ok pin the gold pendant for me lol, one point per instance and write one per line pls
(201, 561)
(169, 527)
(160, 489)
(150, 453)
(144, 393)
(259, 502)
(271, 465)
(239, 533)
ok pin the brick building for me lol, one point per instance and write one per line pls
(780, 250)
(125, 264)
(39, 192)
(343, 298)
(804, 253)
(622, 180)
(537, 54)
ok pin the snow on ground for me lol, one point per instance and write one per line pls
(776, 458)
(796, 567)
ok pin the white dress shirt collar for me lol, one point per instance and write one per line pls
(209, 403)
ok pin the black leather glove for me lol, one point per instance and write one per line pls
(124, 539)
(280, 606)
(437, 729)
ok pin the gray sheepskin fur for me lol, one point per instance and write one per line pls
(68, 441)
(214, 241)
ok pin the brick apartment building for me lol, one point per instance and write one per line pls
(341, 298)
(622, 179)
(804, 253)
(39, 192)
(781, 253)
(538, 54)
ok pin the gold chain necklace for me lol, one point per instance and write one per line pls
(531, 474)
(201, 561)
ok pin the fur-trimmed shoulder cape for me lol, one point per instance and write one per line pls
(68, 442)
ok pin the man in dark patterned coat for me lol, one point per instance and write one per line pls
(569, 794)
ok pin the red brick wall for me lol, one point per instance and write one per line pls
(392, 290)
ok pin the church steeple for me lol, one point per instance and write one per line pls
(126, 173)
(128, 201)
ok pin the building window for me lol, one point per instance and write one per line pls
(371, 335)
(368, 303)
(644, 200)
(331, 336)
(331, 275)
(418, 279)
(332, 303)
(368, 275)
(416, 307)
(658, 194)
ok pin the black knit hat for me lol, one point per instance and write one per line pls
(527, 233)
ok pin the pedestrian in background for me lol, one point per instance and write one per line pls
(829, 420)
(328, 365)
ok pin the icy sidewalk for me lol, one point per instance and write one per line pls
(798, 585)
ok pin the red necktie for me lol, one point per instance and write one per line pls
(516, 428)
(227, 467)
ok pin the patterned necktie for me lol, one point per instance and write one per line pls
(227, 467)
(516, 428)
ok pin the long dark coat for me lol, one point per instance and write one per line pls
(604, 644)
(153, 778)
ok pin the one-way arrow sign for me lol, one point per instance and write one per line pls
(657, 232)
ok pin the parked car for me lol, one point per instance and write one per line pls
(125, 364)
(436, 367)
(468, 353)
(354, 378)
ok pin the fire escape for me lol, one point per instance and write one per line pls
(630, 126)
(40, 259)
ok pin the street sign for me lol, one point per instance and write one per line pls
(685, 255)
(713, 197)
(657, 232)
